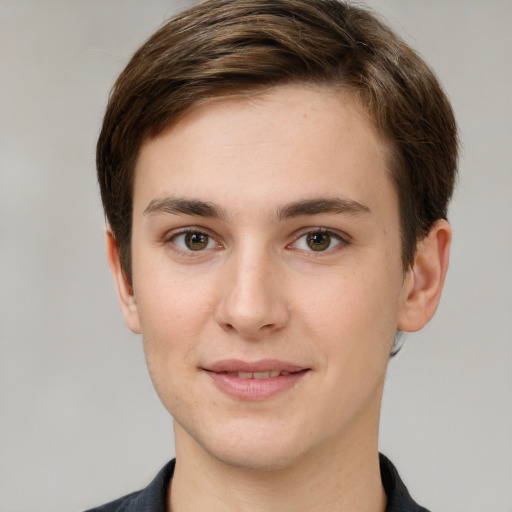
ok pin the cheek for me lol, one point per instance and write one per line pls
(354, 316)
(173, 312)
(171, 300)
(169, 336)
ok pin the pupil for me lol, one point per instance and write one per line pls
(196, 241)
(318, 241)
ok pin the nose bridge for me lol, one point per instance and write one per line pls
(252, 302)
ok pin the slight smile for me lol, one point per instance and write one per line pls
(254, 380)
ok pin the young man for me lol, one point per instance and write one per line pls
(275, 176)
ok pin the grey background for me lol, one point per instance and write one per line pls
(79, 421)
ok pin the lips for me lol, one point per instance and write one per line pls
(264, 365)
(257, 380)
(257, 375)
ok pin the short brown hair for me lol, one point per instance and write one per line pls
(224, 47)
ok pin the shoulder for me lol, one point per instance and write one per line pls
(119, 505)
(153, 497)
(399, 499)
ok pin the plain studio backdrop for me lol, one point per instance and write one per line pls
(80, 423)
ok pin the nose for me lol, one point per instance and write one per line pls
(252, 302)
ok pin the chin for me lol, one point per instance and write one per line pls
(268, 458)
(253, 447)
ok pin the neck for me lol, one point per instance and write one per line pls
(348, 481)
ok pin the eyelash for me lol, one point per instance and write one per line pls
(170, 241)
(341, 240)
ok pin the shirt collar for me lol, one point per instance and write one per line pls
(154, 497)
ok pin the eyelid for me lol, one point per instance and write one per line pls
(168, 239)
(343, 238)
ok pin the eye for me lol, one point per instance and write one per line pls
(318, 241)
(193, 241)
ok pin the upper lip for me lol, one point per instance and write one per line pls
(263, 365)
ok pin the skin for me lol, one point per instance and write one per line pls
(256, 290)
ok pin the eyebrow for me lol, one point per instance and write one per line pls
(317, 206)
(198, 208)
(184, 207)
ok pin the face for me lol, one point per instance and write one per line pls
(267, 275)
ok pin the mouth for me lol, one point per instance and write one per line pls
(258, 380)
(257, 375)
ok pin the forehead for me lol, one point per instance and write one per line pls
(291, 139)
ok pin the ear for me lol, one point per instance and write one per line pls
(424, 280)
(125, 292)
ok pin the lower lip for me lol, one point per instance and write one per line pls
(255, 389)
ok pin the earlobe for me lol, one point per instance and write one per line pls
(424, 281)
(124, 288)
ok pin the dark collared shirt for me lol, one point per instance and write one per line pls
(154, 497)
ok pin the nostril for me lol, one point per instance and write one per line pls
(229, 327)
